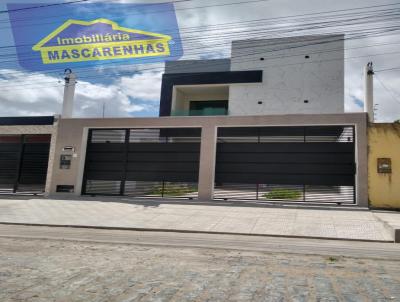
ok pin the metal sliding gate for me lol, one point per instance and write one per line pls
(302, 164)
(23, 163)
(142, 162)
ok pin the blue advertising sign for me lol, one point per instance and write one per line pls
(49, 37)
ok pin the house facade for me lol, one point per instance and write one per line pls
(263, 77)
(267, 124)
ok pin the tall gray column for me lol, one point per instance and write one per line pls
(369, 91)
(69, 92)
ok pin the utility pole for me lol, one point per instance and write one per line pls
(369, 91)
(69, 92)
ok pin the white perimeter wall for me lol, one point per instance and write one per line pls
(288, 77)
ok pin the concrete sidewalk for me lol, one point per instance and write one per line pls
(213, 217)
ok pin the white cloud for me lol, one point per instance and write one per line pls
(27, 94)
(145, 86)
(19, 94)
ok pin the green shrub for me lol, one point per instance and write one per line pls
(283, 193)
(170, 190)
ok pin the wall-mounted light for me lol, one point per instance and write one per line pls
(384, 165)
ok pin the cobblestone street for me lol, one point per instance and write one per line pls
(55, 270)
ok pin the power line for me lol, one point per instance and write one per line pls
(388, 69)
(80, 1)
(243, 2)
(245, 55)
(248, 60)
(309, 41)
(203, 52)
(160, 11)
(389, 91)
(41, 6)
(11, 61)
(274, 18)
(245, 33)
(127, 74)
(291, 64)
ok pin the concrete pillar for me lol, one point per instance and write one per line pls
(207, 162)
(369, 91)
(52, 162)
(69, 92)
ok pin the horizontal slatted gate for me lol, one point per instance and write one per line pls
(303, 164)
(23, 163)
(142, 162)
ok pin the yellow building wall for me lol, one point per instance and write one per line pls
(384, 188)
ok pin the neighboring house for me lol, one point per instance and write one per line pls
(262, 77)
(384, 165)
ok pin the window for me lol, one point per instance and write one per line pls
(208, 108)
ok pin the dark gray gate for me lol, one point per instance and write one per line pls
(142, 162)
(304, 164)
(23, 163)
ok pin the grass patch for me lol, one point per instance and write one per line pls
(283, 193)
(172, 190)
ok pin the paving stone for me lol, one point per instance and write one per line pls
(45, 270)
(128, 213)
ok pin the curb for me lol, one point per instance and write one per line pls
(189, 231)
(214, 202)
(394, 230)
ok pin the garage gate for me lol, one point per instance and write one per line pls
(142, 162)
(23, 163)
(301, 164)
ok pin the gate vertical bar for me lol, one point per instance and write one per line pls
(163, 181)
(355, 165)
(258, 141)
(19, 166)
(304, 186)
(123, 180)
(257, 189)
(84, 178)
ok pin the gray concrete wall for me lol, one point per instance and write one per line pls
(185, 66)
(289, 78)
(73, 132)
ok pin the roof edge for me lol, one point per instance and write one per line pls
(26, 120)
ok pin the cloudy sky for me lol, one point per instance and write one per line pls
(207, 28)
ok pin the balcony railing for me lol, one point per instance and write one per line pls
(202, 112)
